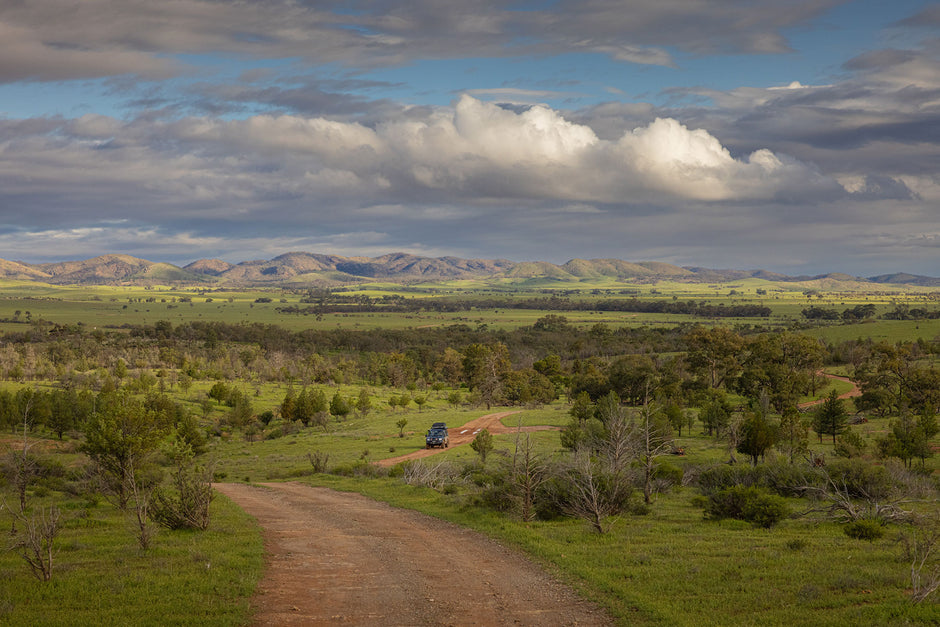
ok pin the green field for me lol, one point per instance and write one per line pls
(664, 565)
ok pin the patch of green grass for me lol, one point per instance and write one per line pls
(101, 577)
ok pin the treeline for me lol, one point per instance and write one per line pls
(703, 309)
(864, 312)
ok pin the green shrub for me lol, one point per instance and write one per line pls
(784, 479)
(864, 529)
(850, 444)
(550, 498)
(359, 468)
(796, 544)
(725, 476)
(668, 473)
(766, 510)
(747, 503)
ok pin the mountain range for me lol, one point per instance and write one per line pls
(298, 269)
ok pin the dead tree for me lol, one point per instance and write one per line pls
(35, 541)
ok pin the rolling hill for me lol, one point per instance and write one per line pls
(298, 269)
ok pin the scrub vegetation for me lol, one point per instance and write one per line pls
(746, 453)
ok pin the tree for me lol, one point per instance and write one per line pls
(633, 378)
(482, 444)
(364, 402)
(714, 354)
(792, 435)
(757, 435)
(220, 392)
(339, 406)
(655, 440)
(830, 418)
(118, 439)
(715, 413)
(420, 400)
(675, 417)
(22, 468)
(582, 409)
(288, 405)
(402, 422)
(907, 440)
(450, 366)
(187, 506)
(302, 407)
(528, 474)
(485, 368)
(35, 542)
(455, 398)
(781, 365)
(593, 494)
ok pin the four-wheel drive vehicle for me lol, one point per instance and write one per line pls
(437, 436)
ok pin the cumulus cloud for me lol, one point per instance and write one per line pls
(476, 152)
(877, 122)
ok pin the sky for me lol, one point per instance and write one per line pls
(797, 136)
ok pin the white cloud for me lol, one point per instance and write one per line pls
(476, 152)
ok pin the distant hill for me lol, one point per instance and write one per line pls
(114, 270)
(907, 279)
(21, 271)
(299, 269)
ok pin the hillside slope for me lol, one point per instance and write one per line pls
(299, 269)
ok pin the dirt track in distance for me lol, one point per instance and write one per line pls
(464, 435)
(341, 558)
(854, 392)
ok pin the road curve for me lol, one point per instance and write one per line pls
(341, 558)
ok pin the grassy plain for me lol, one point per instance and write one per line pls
(115, 306)
(665, 568)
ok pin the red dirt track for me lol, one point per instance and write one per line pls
(341, 558)
(465, 434)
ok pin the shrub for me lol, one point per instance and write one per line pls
(864, 529)
(360, 468)
(319, 460)
(766, 510)
(668, 473)
(725, 476)
(747, 503)
(796, 544)
(850, 444)
(861, 479)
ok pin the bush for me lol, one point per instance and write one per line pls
(725, 476)
(320, 460)
(668, 473)
(748, 503)
(550, 498)
(850, 444)
(864, 529)
(781, 478)
(861, 479)
(359, 468)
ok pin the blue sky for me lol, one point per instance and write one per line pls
(799, 136)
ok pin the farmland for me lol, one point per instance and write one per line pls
(226, 360)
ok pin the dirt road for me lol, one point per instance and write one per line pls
(464, 435)
(338, 558)
(854, 392)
